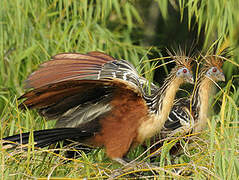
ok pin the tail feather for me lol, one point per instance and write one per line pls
(47, 137)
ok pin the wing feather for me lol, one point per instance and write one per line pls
(50, 94)
(68, 66)
(53, 101)
(92, 66)
(75, 88)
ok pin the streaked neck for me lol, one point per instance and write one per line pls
(165, 99)
(167, 96)
(202, 106)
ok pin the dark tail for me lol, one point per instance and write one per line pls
(47, 137)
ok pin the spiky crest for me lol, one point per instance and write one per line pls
(215, 56)
(180, 58)
(213, 61)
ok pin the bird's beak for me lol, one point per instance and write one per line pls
(221, 77)
(190, 79)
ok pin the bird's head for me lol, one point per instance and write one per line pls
(213, 62)
(183, 68)
(213, 66)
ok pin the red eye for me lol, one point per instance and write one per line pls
(214, 69)
(185, 71)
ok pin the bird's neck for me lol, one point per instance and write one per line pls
(201, 102)
(165, 101)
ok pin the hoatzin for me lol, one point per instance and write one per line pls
(190, 115)
(99, 101)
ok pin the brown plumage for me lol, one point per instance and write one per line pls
(67, 66)
(100, 101)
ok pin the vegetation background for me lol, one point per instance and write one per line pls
(33, 31)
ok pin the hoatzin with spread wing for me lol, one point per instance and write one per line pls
(190, 115)
(99, 101)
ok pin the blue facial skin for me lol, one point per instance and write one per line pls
(215, 74)
(185, 73)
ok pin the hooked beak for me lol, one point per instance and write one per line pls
(221, 77)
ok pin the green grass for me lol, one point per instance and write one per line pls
(32, 31)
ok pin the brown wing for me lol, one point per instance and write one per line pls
(68, 66)
(52, 101)
(73, 102)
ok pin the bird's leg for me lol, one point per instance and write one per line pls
(121, 161)
(130, 166)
